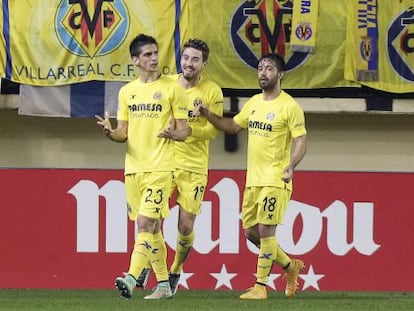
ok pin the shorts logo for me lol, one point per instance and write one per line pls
(91, 28)
(400, 44)
(259, 27)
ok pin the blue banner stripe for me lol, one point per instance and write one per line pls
(87, 99)
(177, 36)
(6, 35)
(373, 34)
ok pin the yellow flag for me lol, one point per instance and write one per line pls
(240, 32)
(3, 57)
(61, 42)
(363, 31)
(395, 42)
(304, 25)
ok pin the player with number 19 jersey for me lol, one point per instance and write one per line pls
(193, 154)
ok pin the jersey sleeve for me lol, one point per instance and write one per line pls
(296, 121)
(122, 113)
(179, 103)
(242, 118)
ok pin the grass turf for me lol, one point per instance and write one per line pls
(54, 300)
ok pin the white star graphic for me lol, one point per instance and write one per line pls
(271, 280)
(223, 278)
(311, 279)
(184, 276)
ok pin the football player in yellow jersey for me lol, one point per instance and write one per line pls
(276, 145)
(145, 109)
(192, 155)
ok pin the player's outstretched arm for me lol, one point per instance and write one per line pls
(227, 125)
(117, 135)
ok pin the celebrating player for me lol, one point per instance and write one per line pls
(276, 144)
(146, 107)
(192, 155)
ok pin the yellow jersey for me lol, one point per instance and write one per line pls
(149, 108)
(271, 126)
(193, 154)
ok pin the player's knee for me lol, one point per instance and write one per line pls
(252, 236)
(185, 227)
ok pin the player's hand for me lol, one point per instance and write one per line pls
(200, 110)
(168, 132)
(287, 174)
(105, 123)
(171, 133)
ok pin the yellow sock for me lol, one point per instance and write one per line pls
(184, 244)
(140, 254)
(267, 254)
(158, 257)
(282, 259)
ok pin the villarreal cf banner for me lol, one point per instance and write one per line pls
(240, 32)
(380, 40)
(59, 42)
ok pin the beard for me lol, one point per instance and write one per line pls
(266, 84)
(190, 75)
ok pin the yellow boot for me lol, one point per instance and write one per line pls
(256, 292)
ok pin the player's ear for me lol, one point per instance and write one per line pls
(135, 60)
(281, 75)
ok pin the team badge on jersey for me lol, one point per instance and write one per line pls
(197, 101)
(270, 116)
(157, 95)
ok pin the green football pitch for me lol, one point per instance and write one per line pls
(60, 300)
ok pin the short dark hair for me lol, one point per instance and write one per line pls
(138, 42)
(275, 58)
(198, 45)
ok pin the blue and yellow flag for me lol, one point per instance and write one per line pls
(3, 56)
(363, 30)
(240, 32)
(61, 42)
(395, 44)
(304, 25)
(49, 43)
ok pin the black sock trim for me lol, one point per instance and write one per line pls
(166, 281)
(260, 284)
(132, 276)
(174, 274)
